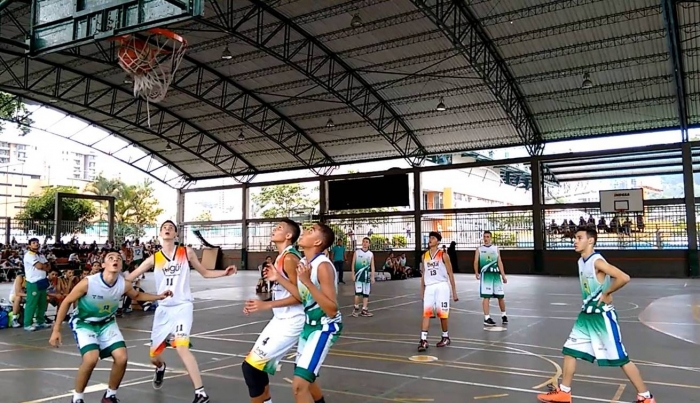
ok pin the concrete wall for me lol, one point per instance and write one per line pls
(637, 263)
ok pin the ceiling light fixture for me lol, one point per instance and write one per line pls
(330, 123)
(587, 83)
(226, 54)
(168, 147)
(441, 106)
(241, 137)
(356, 21)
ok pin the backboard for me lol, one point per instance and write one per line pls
(612, 201)
(58, 25)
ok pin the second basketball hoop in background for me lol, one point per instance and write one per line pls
(151, 62)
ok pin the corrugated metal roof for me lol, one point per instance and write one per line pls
(408, 64)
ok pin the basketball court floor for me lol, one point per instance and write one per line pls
(375, 358)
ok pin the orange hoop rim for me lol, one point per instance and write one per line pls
(155, 31)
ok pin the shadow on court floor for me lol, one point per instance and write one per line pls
(371, 361)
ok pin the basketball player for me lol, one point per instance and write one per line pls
(282, 332)
(363, 271)
(436, 282)
(172, 321)
(488, 268)
(95, 327)
(318, 288)
(596, 334)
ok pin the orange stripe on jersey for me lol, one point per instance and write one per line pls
(160, 260)
(438, 255)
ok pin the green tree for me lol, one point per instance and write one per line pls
(135, 206)
(42, 208)
(283, 200)
(11, 108)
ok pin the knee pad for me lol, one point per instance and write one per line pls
(255, 379)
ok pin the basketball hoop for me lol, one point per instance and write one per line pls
(153, 62)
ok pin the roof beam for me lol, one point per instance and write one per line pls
(307, 55)
(168, 126)
(466, 34)
(670, 13)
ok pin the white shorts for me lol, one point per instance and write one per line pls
(362, 289)
(314, 344)
(102, 337)
(171, 327)
(436, 300)
(596, 336)
(278, 337)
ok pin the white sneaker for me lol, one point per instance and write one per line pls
(30, 328)
(15, 324)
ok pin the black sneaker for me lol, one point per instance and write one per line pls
(504, 319)
(423, 346)
(76, 401)
(111, 399)
(158, 378)
(200, 398)
(489, 322)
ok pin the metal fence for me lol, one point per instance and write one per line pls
(22, 230)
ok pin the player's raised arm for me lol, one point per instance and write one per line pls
(145, 266)
(206, 273)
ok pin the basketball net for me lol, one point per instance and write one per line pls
(152, 63)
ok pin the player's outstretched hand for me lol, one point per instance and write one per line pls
(255, 305)
(231, 270)
(55, 339)
(165, 294)
(270, 274)
(304, 273)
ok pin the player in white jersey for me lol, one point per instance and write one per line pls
(363, 272)
(317, 285)
(596, 333)
(94, 325)
(172, 321)
(282, 332)
(488, 268)
(436, 282)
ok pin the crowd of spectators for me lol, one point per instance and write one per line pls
(617, 225)
(68, 264)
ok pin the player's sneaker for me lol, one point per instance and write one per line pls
(111, 399)
(366, 313)
(504, 318)
(489, 322)
(555, 395)
(423, 346)
(642, 399)
(200, 398)
(76, 401)
(355, 311)
(158, 378)
(445, 341)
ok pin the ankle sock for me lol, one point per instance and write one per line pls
(268, 400)
(161, 368)
(503, 314)
(77, 396)
(110, 393)
(424, 335)
(487, 317)
(200, 391)
(445, 334)
(566, 389)
(645, 395)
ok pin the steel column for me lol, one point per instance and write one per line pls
(690, 219)
(675, 49)
(322, 198)
(244, 225)
(538, 225)
(418, 217)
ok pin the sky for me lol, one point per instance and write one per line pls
(60, 132)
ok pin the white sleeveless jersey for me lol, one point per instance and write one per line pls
(313, 311)
(138, 252)
(279, 292)
(591, 288)
(434, 269)
(101, 301)
(173, 273)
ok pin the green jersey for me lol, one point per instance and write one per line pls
(363, 266)
(591, 288)
(315, 316)
(488, 259)
(99, 305)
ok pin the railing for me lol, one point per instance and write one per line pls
(23, 230)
